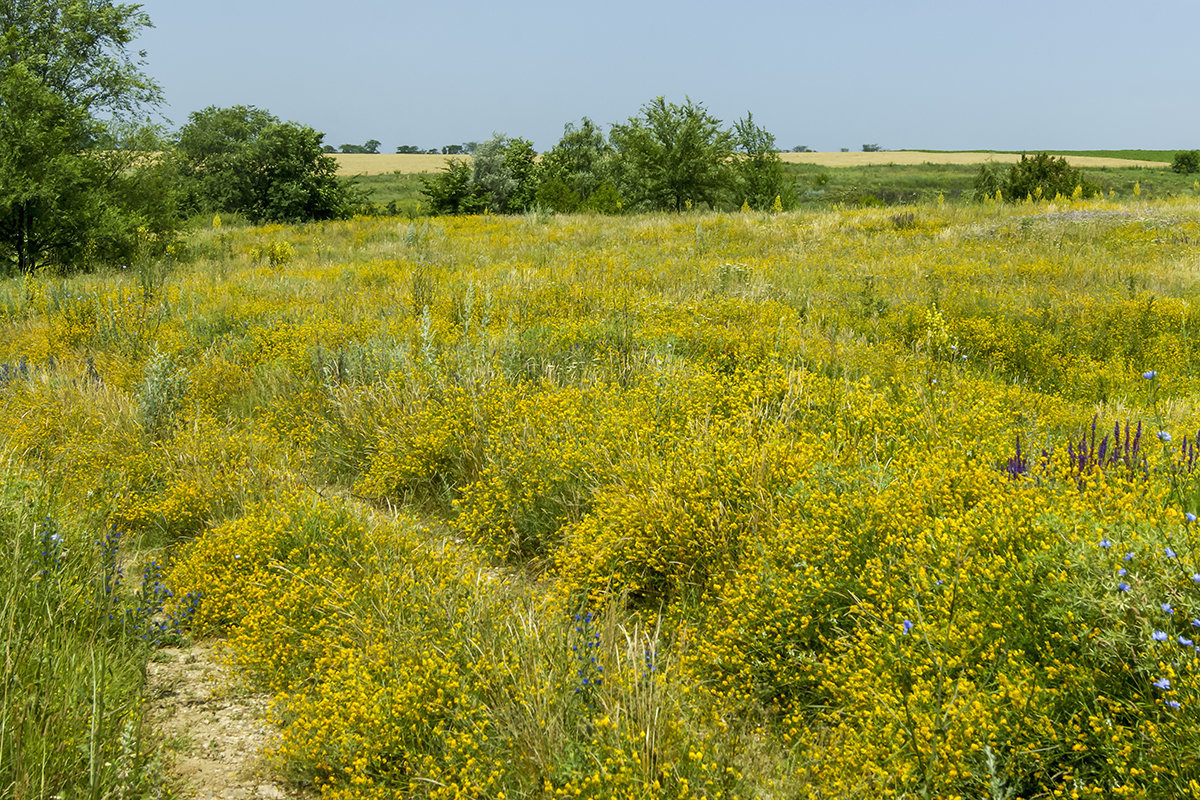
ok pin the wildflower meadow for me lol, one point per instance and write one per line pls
(851, 503)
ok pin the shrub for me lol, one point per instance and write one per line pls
(1186, 162)
(1041, 176)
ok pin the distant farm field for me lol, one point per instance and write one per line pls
(385, 163)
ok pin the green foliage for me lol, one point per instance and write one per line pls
(371, 147)
(453, 190)
(72, 183)
(243, 159)
(506, 174)
(575, 168)
(1186, 162)
(1038, 177)
(760, 176)
(672, 157)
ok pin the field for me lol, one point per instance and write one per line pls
(404, 163)
(884, 501)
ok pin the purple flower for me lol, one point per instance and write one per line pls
(1123, 586)
(1159, 636)
(1150, 374)
(1121, 572)
(1163, 683)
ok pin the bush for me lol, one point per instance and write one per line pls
(1037, 177)
(1186, 162)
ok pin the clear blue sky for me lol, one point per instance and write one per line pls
(1007, 74)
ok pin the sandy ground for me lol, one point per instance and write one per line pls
(384, 163)
(213, 731)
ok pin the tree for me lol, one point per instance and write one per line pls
(576, 168)
(671, 156)
(370, 148)
(243, 159)
(759, 168)
(453, 190)
(505, 170)
(71, 104)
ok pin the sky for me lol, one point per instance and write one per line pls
(1011, 75)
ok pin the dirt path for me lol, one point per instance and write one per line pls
(212, 729)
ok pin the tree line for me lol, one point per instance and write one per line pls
(670, 156)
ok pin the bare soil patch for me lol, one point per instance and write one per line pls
(214, 732)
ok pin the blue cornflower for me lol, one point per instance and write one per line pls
(1159, 636)
(1129, 556)
(1166, 607)
(1121, 572)
(907, 626)
(1196, 578)
(1185, 641)
(1171, 704)
(1163, 683)
(1123, 586)
(1150, 374)
(1163, 436)
(1105, 543)
(1190, 517)
(1169, 552)
(1196, 623)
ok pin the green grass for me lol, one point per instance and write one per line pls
(73, 661)
(396, 193)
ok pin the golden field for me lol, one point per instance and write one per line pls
(383, 164)
(887, 502)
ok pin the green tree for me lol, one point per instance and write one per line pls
(453, 190)
(243, 159)
(71, 97)
(670, 156)
(505, 170)
(576, 167)
(759, 169)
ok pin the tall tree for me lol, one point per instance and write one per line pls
(671, 155)
(71, 97)
(243, 159)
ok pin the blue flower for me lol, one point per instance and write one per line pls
(1166, 607)
(1185, 641)
(1159, 636)
(1163, 436)
(1121, 572)
(1169, 552)
(1150, 374)
(1171, 704)
(1196, 623)
(907, 626)
(1123, 586)
(1190, 517)
(1105, 543)
(1129, 556)
(1163, 683)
